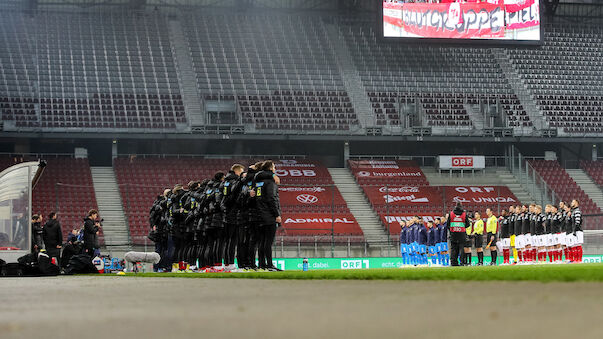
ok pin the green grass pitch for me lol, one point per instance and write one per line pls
(542, 273)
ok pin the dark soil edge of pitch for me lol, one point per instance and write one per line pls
(540, 273)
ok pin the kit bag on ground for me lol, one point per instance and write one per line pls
(80, 264)
(46, 266)
(12, 269)
(29, 265)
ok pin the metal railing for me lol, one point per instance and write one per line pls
(529, 178)
(213, 156)
(431, 160)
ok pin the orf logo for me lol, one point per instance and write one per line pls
(462, 161)
(307, 199)
(364, 174)
(354, 264)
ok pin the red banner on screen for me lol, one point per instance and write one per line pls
(476, 195)
(310, 196)
(392, 13)
(403, 195)
(320, 223)
(454, 20)
(519, 5)
(522, 15)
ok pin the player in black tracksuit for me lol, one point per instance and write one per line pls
(230, 190)
(213, 222)
(177, 217)
(248, 221)
(193, 201)
(268, 204)
(158, 222)
(189, 202)
(198, 221)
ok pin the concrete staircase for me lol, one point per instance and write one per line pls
(587, 185)
(507, 178)
(186, 74)
(498, 176)
(368, 220)
(519, 87)
(477, 118)
(110, 207)
(351, 78)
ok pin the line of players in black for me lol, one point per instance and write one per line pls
(210, 223)
(532, 233)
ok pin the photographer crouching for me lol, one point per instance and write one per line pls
(72, 247)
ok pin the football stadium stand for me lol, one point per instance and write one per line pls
(274, 72)
(563, 185)
(103, 70)
(594, 169)
(564, 76)
(281, 68)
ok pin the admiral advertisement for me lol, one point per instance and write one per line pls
(343, 223)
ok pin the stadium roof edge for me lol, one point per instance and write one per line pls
(294, 137)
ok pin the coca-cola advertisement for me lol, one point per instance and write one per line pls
(403, 195)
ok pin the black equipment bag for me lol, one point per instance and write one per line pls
(11, 270)
(80, 264)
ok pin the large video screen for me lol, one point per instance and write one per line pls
(507, 20)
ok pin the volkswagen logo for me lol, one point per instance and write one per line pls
(307, 199)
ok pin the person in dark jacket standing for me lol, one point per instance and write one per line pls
(269, 208)
(214, 249)
(177, 217)
(458, 223)
(37, 233)
(230, 189)
(248, 224)
(53, 237)
(90, 231)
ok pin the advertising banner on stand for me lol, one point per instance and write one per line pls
(403, 195)
(320, 223)
(458, 162)
(480, 195)
(295, 264)
(386, 170)
(310, 196)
